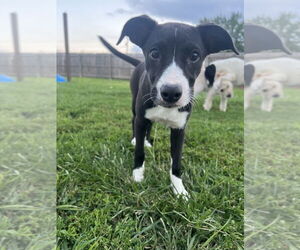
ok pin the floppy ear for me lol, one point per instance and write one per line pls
(210, 72)
(249, 70)
(138, 29)
(215, 38)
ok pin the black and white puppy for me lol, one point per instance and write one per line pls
(163, 86)
(219, 78)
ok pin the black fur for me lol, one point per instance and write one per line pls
(259, 38)
(129, 59)
(210, 73)
(171, 41)
(249, 71)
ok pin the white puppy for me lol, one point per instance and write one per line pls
(268, 89)
(265, 78)
(221, 75)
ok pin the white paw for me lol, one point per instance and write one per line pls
(266, 109)
(222, 109)
(133, 142)
(178, 187)
(206, 107)
(147, 143)
(138, 173)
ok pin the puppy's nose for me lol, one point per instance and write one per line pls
(229, 95)
(171, 92)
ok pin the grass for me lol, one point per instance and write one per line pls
(272, 170)
(100, 207)
(27, 164)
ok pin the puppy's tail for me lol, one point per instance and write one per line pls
(126, 58)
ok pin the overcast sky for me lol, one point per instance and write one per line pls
(89, 18)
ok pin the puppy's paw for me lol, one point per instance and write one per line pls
(207, 107)
(223, 109)
(138, 173)
(147, 144)
(178, 188)
(266, 109)
(182, 193)
(133, 141)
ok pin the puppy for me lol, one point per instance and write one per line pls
(268, 89)
(163, 86)
(221, 75)
(267, 77)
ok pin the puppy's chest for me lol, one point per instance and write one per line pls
(170, 117)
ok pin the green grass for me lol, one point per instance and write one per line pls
(272, 174)
(100, 207)
(27, 164)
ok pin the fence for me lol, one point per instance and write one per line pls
(94, 65)
(32, 64)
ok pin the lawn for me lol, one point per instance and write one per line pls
(272, 174)
(27, 164)
(100, 207)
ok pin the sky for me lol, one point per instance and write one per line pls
(41, 27)
(107, 18)
(37, 26)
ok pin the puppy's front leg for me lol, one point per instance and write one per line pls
(248, 93)
(140, 126)
(177, 138)
(209, 99)
(267, 104)
(223, 103)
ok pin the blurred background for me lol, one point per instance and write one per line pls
(44, 42)
(272, 136)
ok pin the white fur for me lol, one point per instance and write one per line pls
(219, 84)
(177, 186)
(228, 72)
(170, 117)
(269, 77)
(173, 74)
(267, 89)
(138, 173)
(285, 70)
(146, 143)
(233, 69)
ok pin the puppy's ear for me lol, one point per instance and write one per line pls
(210, 73)
(215, 38)
(249, 70)
(138, 29)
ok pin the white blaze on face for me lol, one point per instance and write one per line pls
(173, 74)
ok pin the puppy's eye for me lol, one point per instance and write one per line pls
(194, 57)
(222, 90)
(154, 54)
(265, 90)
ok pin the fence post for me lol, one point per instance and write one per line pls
(67, 52)
(17, 55)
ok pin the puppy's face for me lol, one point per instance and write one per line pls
(225, 88)
(174, 54)
(271, 89)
